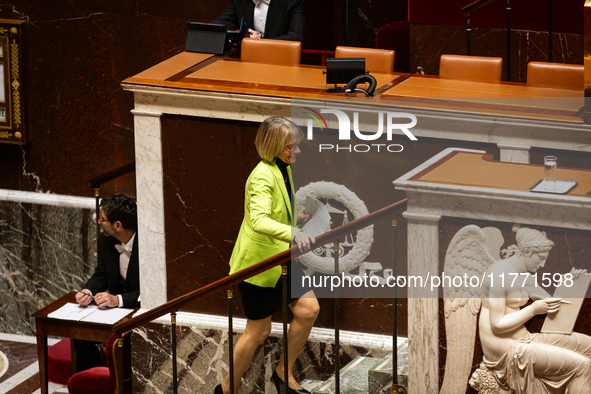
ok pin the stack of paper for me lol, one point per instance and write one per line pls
(90, 313)
(318, 224)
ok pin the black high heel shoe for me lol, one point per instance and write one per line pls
(218, 389)
(279, 386)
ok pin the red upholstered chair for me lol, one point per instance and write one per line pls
(270, 51)
(59, 362)
(556, 75)
(396, 36)
(376, 60)
(471, 68)
(103, 380)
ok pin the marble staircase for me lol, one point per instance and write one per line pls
(365, 375)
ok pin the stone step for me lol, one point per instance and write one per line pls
(366, 375)
(311, 385)
(380, 378)
(354, 377)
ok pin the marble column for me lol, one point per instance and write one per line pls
(587, 59)
(150, 201)
(423, 306)
(514, 153)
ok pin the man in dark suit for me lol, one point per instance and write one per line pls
(285, 19)
(116, 280)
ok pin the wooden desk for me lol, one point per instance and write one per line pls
(209, 73)
(479, 170)
(46, 326)
(424, 86)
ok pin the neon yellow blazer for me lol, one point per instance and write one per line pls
(266, 229)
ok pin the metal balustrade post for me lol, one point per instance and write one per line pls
(394, 316)
(230, 295)
(508, 40)
(469, 35)
(285, 343)
(550, 56)
(174, 360)
(337, 361)
(396, 389)
(120, 377)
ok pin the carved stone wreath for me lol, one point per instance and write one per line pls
(362, 246)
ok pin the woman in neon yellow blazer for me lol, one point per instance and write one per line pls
(267, 229)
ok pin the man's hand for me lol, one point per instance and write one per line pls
(254, 33)
(83, 297)
(105, 299)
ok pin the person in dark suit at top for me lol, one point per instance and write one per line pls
(274, 19)
(116, 280)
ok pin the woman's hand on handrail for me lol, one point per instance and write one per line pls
(304, 241)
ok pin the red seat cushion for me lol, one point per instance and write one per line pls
(59, 362)
(101, 380)
(95, 380)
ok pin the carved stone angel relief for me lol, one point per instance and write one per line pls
(515, 360)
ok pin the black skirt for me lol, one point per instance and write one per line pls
(261, 302)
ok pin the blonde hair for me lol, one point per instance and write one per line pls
(274, 134)
(529, 241)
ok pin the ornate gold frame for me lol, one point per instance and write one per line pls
(12, 120)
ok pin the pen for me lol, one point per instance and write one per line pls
(92, 297)
(565, 302)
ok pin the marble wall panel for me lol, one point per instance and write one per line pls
(80, 119)
(45, 252)
(203, 360)
(366, 18)
(206, 163)
(572, 249)
(203, 11)
(429, 42)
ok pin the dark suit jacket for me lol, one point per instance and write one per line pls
(286, 19)
(107, 277)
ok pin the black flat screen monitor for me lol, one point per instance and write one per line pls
(207, 38)
(342, 70)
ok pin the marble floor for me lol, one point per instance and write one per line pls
(19, 369)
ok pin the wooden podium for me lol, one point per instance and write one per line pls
(46, 326)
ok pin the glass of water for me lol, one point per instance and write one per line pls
(550, 164)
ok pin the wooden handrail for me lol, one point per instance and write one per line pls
(234, 279)
(478, 4)
(109, 176)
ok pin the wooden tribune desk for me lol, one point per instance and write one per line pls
(46, 326)
(208, 73)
